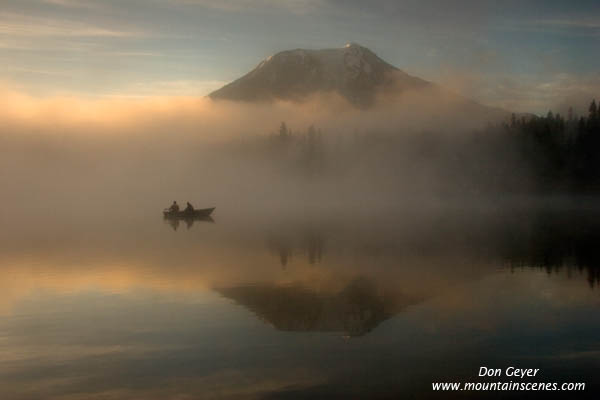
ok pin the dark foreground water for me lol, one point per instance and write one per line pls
(298, 307)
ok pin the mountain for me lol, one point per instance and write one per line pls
(353, 71)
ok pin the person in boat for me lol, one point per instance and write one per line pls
(189, 208)
(174, 207)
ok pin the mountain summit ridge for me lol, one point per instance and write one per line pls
(353, 71)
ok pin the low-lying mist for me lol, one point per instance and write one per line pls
(76, 157)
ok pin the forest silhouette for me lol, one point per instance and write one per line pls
(528, 154)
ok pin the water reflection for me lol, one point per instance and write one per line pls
(554, 241)
(356, 308)
(287, 243)
(189, 221)
(125, 309)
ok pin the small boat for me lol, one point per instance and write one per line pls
(200, 213)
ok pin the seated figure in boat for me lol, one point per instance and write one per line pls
(189, 207)
(174, 207)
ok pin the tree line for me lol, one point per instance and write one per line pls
(552, 153)
(562, 152)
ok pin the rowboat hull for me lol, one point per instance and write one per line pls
(201, 213)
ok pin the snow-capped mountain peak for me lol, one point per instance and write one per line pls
(353, 71)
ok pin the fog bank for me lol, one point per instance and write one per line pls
(82, 157)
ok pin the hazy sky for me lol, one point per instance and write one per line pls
(522, 55)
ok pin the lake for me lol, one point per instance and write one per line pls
(314, 305)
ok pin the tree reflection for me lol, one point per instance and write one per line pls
(556, 241)
(287, 243)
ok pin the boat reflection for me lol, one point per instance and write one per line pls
(189, 221)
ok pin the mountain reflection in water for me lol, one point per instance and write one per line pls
(356, 309)
(258, 308)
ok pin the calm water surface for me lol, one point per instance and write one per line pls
(303, 307)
